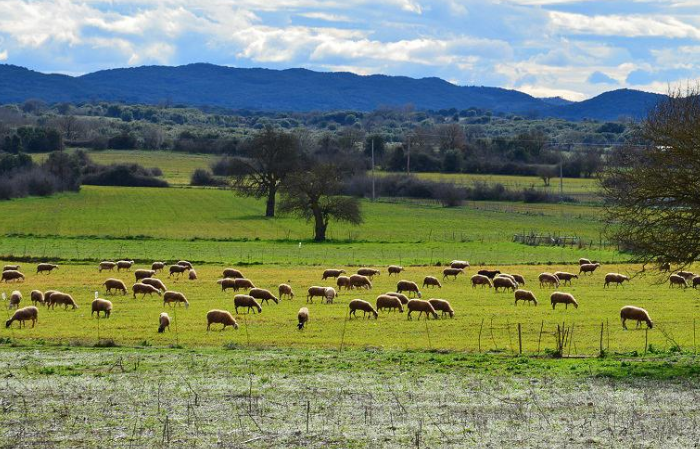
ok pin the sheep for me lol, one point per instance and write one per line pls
(665, 267)
(696, 281)
(408, 286)
(369, 272)
(184, 263)
(330, 295)
(635, 313)
(359, 304)
(233, 273)
(163, 322)
(24, 314)
(403, 298)
(489, 273)
(144, 289)
(143, 274)
(37, 297)
(421, 306)
(192, 275)
(246, 301)
(170, 297)
(615, 278)
(158, 266)
(157, 283)
(507, 276)
(674, 279)
(331, 273)
(565, 277)
(343, 281)
(451, 272)
(263, 295)
(504, 283)
(360, 281)
(114, 284)
(480, 279)
(221, 317)
(324, 292)
(548, 279)
(12, 275)
(459, 264)
(106, 265)
(686, 274)
(583, 261)
(245, 284)
(588, 268)
(226, 283)
(47, 297)
(285, 289)
(563, 298)
(302, 317)
(431, 281)
(176, 269)
(101, 305)
(10, 267)
(519, 279)
(62, 299)
(525, 295)
(394, 269)
(442, 306)
(15, 299)
(124, 265)
(389, 302)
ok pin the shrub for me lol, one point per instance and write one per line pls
(203, 177)
(125, 175)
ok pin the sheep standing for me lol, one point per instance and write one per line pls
(421, 306)
(106, 265)
(389, 302)
(163, 322)
(615, 278)
(369, 272)
(246, 301)
(23, 315)
(192, 275)
(323, 292)
(124, 265)
(360, 281)
(143, 274)
(226, 283)
(637, 314)
(221, 317)
(408, 286)
(62, 299)
(463, 264)
(15, 299)
(114, 284)
(588, 268)
(480, 279)
(359, 304)
(186, 264)
(525, 295)
(665, 267)
(442, 306)
(158, 266)
(144, 289)
(101, 305)
(157, 283)
(696, 282)
(686, 274)
(343, 281)
(548, 279)
(47, 297)
(583, 261)
(263, 295)
(10, 267)
(233, 273)
(285, 290)
(12, 275)
(403, 298)
(519, 279)
(674, 280)
(507, 276)
(302, 317)
(563, 298)
(37, 297)
(565, 276)
(489, 273)
(242, 283)
(504, 283)
(394, 269)
(454, 272)
(177, 269)
(331, 273)
(178, 298)
(46, 268)
(431, 281)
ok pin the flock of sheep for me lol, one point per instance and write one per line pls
(406, 297)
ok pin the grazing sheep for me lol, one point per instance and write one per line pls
(403, 298)
(192, 275)
(158, 266)
(343, 281)
(422, 306)
(519, 279)
(696, 281)
(331, 273)
(15, 299)
(62, 299)
(170, 297)
(451, 272)
(143, 274)
(22, 315)
(101, 305)
(563, 298)
(674, 279)
(10, 267)
(459, 264)
(548, 279)
(431, 281)
(157, 283)
(442, 306)
(114, 284)
(263, 295)
(221, 317)
(226, 283)
(408, 286)
(245, 284)
(389, 302)
(124, 265)
(565, 277)
(186, 264)
(480, 279)
(686, 274)
(233, 273)
(525, 295)
(177, 269)
(330, 295)
(323, 292)
(359, 304)
(588, 268)
(106, 265)
(504, 283)
(47, 297)
(637, 314)
(615, 278)
(369, 272)
(302, 317)
(246, 301)
(360, 281)
(394, 269)
(37, 297)
(12, 275)
(489, 273)
(507, 276)
(144, 289)
(163, 322)
(285, 289)
(583, 261)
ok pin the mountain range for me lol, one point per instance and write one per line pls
(301, 90)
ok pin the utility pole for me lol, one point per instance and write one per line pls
(373, 191)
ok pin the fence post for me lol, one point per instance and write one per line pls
(520, 339)
(539, 340)
(480, 329)
(646, 339)
(601, 338)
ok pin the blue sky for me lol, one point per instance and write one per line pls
(575, 49)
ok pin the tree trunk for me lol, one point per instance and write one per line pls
(270, 210)
(320, 226)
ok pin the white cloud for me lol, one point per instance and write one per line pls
(326, 17)
(627, 26)
(3, 55)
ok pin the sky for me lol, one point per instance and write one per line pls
(574, 49)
